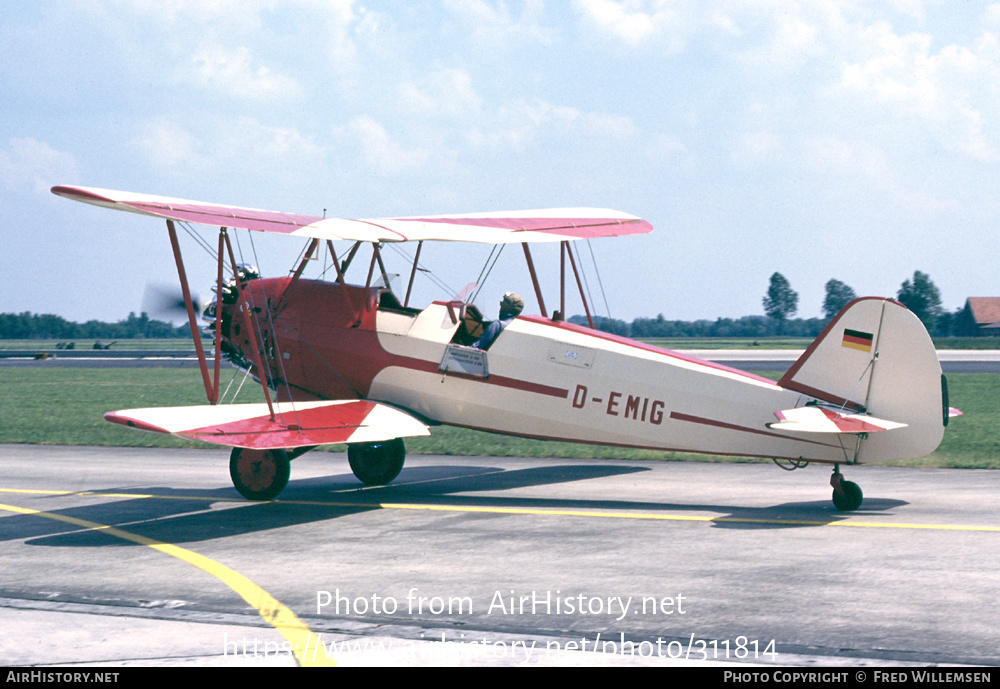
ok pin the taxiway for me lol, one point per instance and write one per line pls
(491, 561)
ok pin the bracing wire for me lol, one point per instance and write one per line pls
(483, 278)
(274, 338)
(479, 280)
(213, 252)
(198, 239)
(600, 282)
(298, 259)
(438, 282)
(586, 283)
(246, 374)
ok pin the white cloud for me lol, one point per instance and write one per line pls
(234, 47)
(897, 69)
(446, 92)
(235, 72)
(759, 145)
(520, 124)
(223, 144)
(493, 23)
(381, 152)
(35, 164)
(951, 92)
(234, 15)
(991, 15)
(829, 155)
(631, 21)
(250, 140)
(165, 143)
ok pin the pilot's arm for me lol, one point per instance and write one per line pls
(489, 334)
(510, 306)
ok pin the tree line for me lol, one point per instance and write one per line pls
(780, 302)
(919, 294)
(29, 326)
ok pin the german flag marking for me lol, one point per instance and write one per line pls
(855, 339)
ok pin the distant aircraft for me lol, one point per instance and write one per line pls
(355, 364)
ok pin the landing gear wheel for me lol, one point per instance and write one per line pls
(847, 495)
(259, 474)
(376, 464)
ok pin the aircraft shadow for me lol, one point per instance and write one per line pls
(185, 516)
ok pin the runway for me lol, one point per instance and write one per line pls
(486, 561)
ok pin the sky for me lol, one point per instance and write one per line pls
(820, 139)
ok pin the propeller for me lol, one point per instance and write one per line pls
(166, 303)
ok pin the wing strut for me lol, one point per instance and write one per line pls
(251, 331)
(212, 381)
(413, 273)
(340, 278)
(211, 388)
(534, 280)
(308, 256)
(563, 252)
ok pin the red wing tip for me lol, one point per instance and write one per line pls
(114, 417)
(77, 193)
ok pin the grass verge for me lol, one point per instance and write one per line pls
(66, 407)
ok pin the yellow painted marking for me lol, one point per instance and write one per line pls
(683, 518)
(274, 613)
(540, 512)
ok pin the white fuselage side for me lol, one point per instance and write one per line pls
(557, 381)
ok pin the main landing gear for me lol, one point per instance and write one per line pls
(259, 474)
(847, 495)
(376, 464)
(263, 474)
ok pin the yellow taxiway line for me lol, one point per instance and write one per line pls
(296, 633)
(599, 514)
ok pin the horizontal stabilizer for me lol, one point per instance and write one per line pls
(819, 420)
(300, 424)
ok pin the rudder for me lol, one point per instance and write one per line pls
(876, 357)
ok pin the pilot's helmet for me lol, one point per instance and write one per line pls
(511, 304)
(247, 272)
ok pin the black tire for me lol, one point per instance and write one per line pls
(259, 474)
(376, 464)
(849, 497)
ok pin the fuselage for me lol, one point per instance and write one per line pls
(541, 378)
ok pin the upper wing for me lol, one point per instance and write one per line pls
(550, 225)
(296, 425)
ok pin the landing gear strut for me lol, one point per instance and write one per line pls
(259, 474)
(376, 464)
(847, 495)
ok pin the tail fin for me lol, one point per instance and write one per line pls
(876, 357)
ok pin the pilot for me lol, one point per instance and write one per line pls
(510, 306)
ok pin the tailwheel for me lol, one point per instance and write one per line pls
(259, 474)
(376, 464)
(847, 495)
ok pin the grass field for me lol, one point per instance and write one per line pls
(140, 344)
(184, 344)
(66, 406)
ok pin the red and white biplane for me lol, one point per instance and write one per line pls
(355, 364)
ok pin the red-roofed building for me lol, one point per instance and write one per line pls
(981, 316)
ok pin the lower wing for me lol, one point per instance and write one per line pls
(294, 425)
